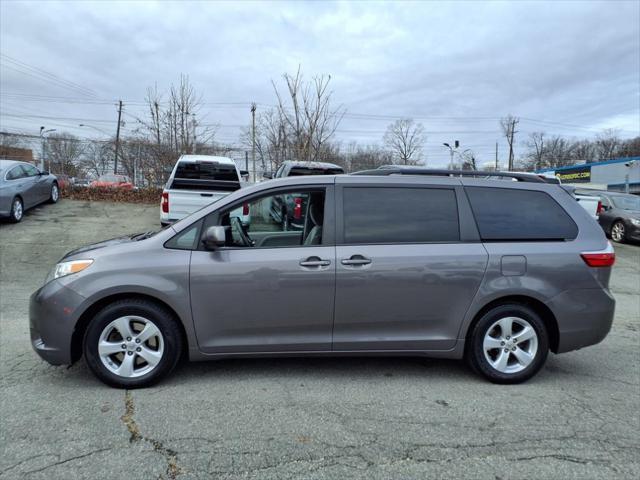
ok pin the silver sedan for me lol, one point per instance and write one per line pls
(23, 186)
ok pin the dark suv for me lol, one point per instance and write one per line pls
(391, 262)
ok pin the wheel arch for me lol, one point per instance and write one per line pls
(88, 314)
(545, 313)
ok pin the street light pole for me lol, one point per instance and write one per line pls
(452, 151)
(42, 140)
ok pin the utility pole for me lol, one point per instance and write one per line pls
(511, 132)
(253, 140)
(496, 156)
(115, 164)
(195, 138)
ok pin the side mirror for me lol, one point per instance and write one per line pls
(244, 173)
(44, 172)
(268, 175)
(214, 237)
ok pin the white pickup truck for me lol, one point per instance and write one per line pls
(197, 181)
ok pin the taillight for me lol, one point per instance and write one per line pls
(297, 209)
(599, 209)
(245, 209)
(165, 202)
(603, 258)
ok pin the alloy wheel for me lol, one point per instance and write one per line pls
(17, 210)
(131, 346)
(54, 193)
(510, 345)
(617, 232)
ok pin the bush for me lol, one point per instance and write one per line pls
(103, 194)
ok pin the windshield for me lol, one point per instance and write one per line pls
(627, 203)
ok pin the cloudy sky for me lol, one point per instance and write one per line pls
(571, 68)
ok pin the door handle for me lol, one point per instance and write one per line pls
(206, 194)
(315, 262)
(356, 260)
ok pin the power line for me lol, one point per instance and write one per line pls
(43, 75)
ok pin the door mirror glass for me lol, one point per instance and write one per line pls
(214, 237)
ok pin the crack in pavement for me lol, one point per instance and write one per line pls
(171, 456)
(55, 464)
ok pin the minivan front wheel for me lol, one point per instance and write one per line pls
(509, 344)
(132, 343)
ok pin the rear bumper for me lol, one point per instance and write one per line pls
(53, 311)
(584, 317)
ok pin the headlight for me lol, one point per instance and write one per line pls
(636, 222)
(67, 268)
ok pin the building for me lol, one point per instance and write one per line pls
(611, 175)
(14, 153)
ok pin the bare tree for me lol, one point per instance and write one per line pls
(469, 161)
(304, 118)
(508, 125)
(405, 139)
(536, 149)
(607, 144)
(97, 158)
(63, 153)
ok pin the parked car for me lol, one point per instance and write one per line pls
(286, 209)
(64, 181)
(23, 186)
(392, 262)
(619, 216)
(81, 182)
(197, 181)
(293, 168)
(111, 180)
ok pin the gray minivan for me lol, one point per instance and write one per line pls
(389, 262)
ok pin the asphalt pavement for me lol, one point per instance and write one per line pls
(355, 418)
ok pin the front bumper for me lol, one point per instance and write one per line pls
(632, 232)
(584, 317)
(53, 313)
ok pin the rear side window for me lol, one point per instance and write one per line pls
(15, 173)
(400, 215)
(510, 214)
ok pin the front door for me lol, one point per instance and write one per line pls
(267, 289)
(404, 277)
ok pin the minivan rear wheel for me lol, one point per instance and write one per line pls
(509, 344)
(132, 343)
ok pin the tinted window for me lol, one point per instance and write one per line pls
(510, 214)
(207, 171)
(15, 173)
(297, 171)
(400, 215)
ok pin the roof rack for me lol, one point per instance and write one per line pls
(403, 170)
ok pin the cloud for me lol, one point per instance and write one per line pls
(574, 64)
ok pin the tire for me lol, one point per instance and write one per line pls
(523, 359)
(54, 194)
(122, 351)
(618, 232)
(17, 210)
